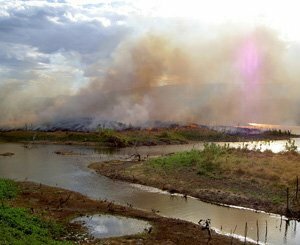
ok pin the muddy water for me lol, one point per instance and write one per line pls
(40, 164)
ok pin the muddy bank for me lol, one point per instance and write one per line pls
(227, 190)
(63, 205)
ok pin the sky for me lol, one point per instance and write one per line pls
(214, 62)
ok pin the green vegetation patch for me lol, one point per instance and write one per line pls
(8, 189)
(255, 174)
(206, 162)
(203, 134)
(113, 138)
(19, 226)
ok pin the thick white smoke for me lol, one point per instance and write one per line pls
(229, 77)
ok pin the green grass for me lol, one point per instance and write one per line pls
(206, 162)
(19, 226)
(8, 189)
(204, 135)
(256, 174)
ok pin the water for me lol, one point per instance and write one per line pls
(42, 165)
(275, 146)
(104, 226)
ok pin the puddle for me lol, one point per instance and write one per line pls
(104, 226)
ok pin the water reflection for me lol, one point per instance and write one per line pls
(41, 165)
(103, 226)
(274, 146)
(106, 150)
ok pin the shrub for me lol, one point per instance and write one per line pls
(290, 146)
(113, 138)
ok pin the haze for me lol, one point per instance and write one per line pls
(212, 62)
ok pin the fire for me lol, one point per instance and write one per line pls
(261, 125)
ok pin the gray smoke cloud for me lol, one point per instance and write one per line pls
(158, 77)
(110, 69)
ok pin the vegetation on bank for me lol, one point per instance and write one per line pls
(221, 174)
(205, 162)
(259, 175)
(8, 190)
(109, 137)
(19, 226)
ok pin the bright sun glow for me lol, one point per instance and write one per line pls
(280, 15)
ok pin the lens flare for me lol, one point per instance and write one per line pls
(249, 66)
(249, 60)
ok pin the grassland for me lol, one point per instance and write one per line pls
(220, 174)
(19, 226)
(108, 137)
(39, 214)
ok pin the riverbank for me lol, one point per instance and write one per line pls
(46, 205)
(145, 137)
(219, 174)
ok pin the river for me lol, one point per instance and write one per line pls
(40, 164)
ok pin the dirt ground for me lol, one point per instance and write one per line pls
(62, 205)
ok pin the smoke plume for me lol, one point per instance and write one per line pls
(227, 77)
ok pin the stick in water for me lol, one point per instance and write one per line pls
(257, 231)
(246, 230)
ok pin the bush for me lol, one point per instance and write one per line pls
(113, 138)
(290, 146)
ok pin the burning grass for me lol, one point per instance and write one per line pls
(136, 137)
